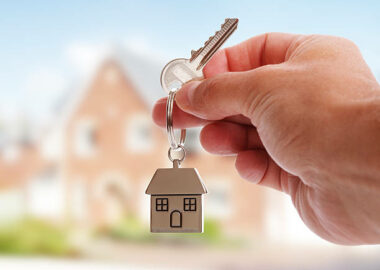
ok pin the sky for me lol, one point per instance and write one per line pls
(46, 45)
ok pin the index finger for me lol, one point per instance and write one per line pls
(183, 119)
(265, 49)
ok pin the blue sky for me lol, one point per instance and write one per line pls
(44, 42)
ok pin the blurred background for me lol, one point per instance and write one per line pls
(78, 147)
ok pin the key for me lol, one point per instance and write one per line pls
(181, 70)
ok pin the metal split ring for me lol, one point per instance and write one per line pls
(179, 148)
(169, 125)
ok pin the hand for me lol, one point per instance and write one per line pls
(302, 114)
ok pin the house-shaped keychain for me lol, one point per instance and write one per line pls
(176, 203)
(176, 200)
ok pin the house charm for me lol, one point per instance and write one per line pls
(176, 200)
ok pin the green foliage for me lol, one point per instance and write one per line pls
(212, 234)
(130, 228)
(30, 236)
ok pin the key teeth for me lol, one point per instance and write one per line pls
(229, 19)
(210, 38)
(194, 53)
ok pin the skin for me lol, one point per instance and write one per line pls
(302, 115)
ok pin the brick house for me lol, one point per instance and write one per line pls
(108, 150)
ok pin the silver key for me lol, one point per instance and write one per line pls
(181, 70)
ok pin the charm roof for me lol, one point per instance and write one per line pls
(176, 181)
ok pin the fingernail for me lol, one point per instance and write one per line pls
(184, 97)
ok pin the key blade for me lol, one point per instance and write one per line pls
(204, 54)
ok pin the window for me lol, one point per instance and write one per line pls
(85, 138)
(190, 204)
(139, 135)
(161, 204)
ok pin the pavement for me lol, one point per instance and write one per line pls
(21, 263)
(41, 263)
(110, 255)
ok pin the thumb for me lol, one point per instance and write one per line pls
(225, 94)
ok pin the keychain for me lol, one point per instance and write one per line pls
(176, 203)
(176, 193)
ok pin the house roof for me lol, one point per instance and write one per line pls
(141, 70)
(176, 181)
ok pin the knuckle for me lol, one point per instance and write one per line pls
(213, 83)
(207, 90)
(260, 90)
(269, 96)
(346, 41)
(328, 47)
(342, 45)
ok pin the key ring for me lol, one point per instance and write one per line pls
(179, 160)
(169, 123)
(174, 145)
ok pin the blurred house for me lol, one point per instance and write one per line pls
(92, 166)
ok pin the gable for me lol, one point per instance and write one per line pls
(111, 88)
(176, 181)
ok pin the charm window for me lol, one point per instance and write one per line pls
(161, 204)
(190, 204)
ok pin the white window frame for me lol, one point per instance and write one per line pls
(82, 145)
(134, 141)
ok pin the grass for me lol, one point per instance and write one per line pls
(34, 237)
(37, 237)
(132, 230)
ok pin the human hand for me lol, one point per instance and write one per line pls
(302, 114)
